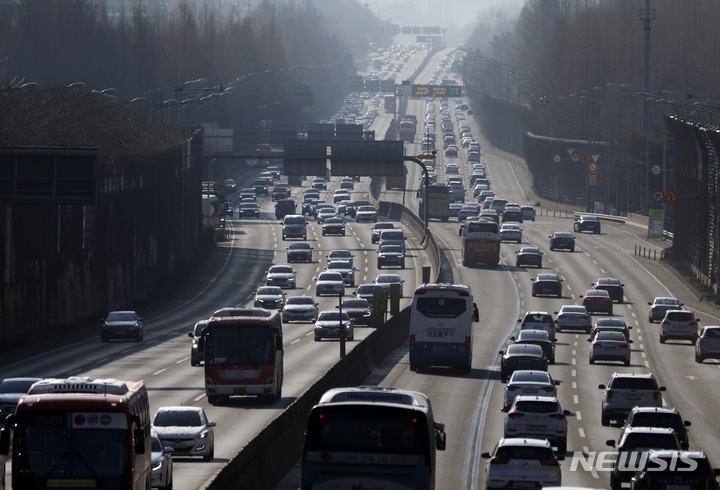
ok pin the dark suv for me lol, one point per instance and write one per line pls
(665, 469)
(613, 286)
(547, 283)
(587, 223)
(660, 417)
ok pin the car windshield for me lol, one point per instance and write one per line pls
(525, 452)
(632, 383)
(521, 349)
(362, 209)
(529, 250)
(563, 234)
(269, 291)
(339, 264)
(655, 441)
(248, 205)
(388, 279)
(121, 316)
(391, 249)
(280, 269)
(610, 322)
(300, 300)
(330, 276)
(666, 301)
(573, 309)
(610, 337)
(16, 385)
(355, 303)
(177, 418)
(384, 226)
(338, 254)
(294, 220)
(332, 315)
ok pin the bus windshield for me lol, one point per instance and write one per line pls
(231, 345)
(60, 444)
(434, 307)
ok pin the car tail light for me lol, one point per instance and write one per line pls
(608, 394)
(497, 460)
(623, 346)
(512, 388)
(515, 415)
(557, 416)
(704, 340)
(412, 342)
(548, 388)
(607, 299)
(693, 323)
(549, 462)
(597, 344)
(666, 322)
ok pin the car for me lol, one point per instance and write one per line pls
(511, 232)
(285, 207)
(528, 212)
(299, 252)
(161, 463)
(230, 185)
(611, 325)
(274, 171)
(473, 156)
(281, 275)
(249, 210)
(368, 292)
(452, 168)
(587, 223)
(708, 344)
(325, 213)
(260, 186)
(597, 301)
(521, 356)
(11, 390)
(340, 254)
(539, 417)
(386, 280)
(512, 214)
(528, 256)
(356, 205)
(269, 297)
(311, 193)
(624, 391)
(660, 417)
(344, 267)
(319, 183)
(121, 325)
(247, 193)
(451, 151)
(300, 308)
(341, 195)
(613, 286)
(661, 471)
(333, 226)
(632, 448)
(347, 183)
(365, 214)
(573, 317)
(197, 355)
(610, 346)
(359, 311)
(280, 191)
(538, 320)
(186, 430)
(660, 305)
(490, 214)
(328, 325)
(390, 255)
(330, 283)
(679, 325)
(378, 228)
(562, 240)
(522, 463)
(467, 212)
(547, 283)
(529, 382)
(537, 337)
(393, 237)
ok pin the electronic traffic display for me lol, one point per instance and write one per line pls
(437, 90)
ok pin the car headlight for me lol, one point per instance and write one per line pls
(203, 435)
(158, 466)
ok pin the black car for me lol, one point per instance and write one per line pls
(587, 223)
(391, 255)
(512, 214)
(537, 337)
(562, 240)
(521, 356)
(284, 207)
(547, 284)
(299, 252)
(333, 226)
(675, 469)
(613, 286)
(122, 325)
(260, 186)
(529, 256)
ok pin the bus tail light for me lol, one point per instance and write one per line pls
(209, 380)
(412, 342)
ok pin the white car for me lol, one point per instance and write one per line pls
(328, 325)
(529, 382)
(325, 213)
(162, 464)
(300, 308)
(467, 212)
(366, 214)
(186, 430)
(610, 346)
(522, 462)
(281, 275)
(330, 283)
(511, 232)
(538, 416)
(385, 280)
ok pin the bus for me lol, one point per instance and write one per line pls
(441, 327)
(371, 437)
(80, 433)
(243, 354)
(438, 196)
(407, 128)
(480, 243)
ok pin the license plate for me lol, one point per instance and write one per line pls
(530, 392)
(239, 390)
(610, 348)
(632, 397)
(677, 487)
(523, 484)
(439, 348)
(536, 427)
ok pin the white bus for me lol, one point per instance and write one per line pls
(441, 326)
(371, 437)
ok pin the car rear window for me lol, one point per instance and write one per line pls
(657, 420)
(634, 384)
(680, 316)
(519, 452)
(654, 441)
(536, 406)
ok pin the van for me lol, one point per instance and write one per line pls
(392, 237)
(294, 226)
(284, 207)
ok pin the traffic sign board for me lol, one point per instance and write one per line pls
(426, 157)
(595, 157)
(575, 157)
(593, 178)
(658, 196)
(656, 169)
(585, 157)
(671, 197)
(593, 167)
(556, 158)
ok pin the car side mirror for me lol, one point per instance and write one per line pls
(512, 338)
(567, 413)
(610, 442)
(190, 334)
(601, 387)
(501, 352)
(687, 423)
(662, 388)
(556, 383)
(630, 341)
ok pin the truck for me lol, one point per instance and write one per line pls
(407, 128)
(396, 181)
(438, 196)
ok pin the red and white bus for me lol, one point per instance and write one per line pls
(80, 433)
(243, 354)
(481, 243)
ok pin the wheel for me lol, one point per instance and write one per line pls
(559, 295)
(317, 339)
(562, 445)
(694, 340)
(610, 312)
(402, 265)
(519, 241)
(323, 233)
(627, 363)
(342, 292)
(662, 339)
(139, 337)
(552, 248)
(194, 363)
(343, 233)
(379, 266)
(540, 265)
(558, 328)
(605, 419)
(317, 293)
(211, 454)
(213, 399)
(572, 249)
(413, 367)
(533, 293)
(592, 361)
(104, 338)
(698, 358)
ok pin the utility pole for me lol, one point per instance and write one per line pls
(647, 15)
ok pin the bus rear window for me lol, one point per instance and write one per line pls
(442, 307)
